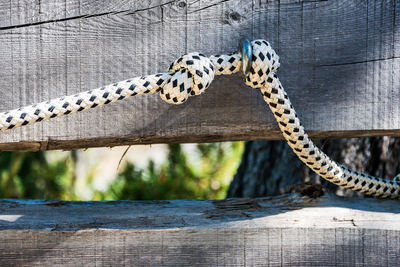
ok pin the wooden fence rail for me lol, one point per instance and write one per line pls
(289, 230)
(340, 63)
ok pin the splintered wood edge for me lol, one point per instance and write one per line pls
(285, 211)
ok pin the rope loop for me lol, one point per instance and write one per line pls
(192, 74)
(265, 62)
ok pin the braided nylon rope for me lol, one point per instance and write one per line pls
(190, 75)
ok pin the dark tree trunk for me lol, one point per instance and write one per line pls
(270, 167)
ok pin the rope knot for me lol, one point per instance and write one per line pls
(265, 62)
(191, 75)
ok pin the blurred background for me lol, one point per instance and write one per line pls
(140, 172)
(185, 171)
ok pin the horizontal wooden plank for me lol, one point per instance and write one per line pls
(340, 63)
(288, 230)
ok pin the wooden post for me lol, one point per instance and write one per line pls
(289, 230)
(339, 63)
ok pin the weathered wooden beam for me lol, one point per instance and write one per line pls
(340, 63)
(287, 230)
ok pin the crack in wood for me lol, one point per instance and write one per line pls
(356, 62)
(86, 16)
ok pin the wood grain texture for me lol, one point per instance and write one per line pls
(340, 63)
(288, 230)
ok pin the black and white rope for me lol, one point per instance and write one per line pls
(191, 75)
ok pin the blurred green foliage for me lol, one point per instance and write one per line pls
(31, 175)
